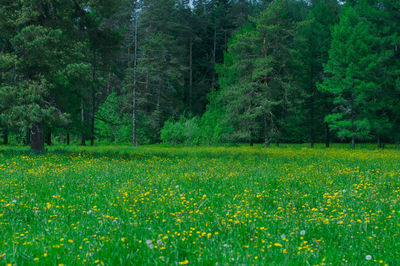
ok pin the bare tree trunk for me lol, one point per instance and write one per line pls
(48, 137)
(68, 139)
(353, 141)
(311, 125)
(5, 137)
(266, 139)
(190, 71)
(27, 140)
(266, 142)
(225, 41)
(214, 55)
(379, 143)
(93, 100)
(134, 88)
(327, 137)
(109, 83)
(37, 144)
(83, 139)
(277, 142)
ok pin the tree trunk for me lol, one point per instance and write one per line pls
(214, 56)
(5, 137)
(134, 88)
(327, 139)
(92, 122)
(93, 100)
(379, 142)
(312, 136)
(191, 71)
(48, 137)
(277, 143)
(83, 139)
(68, 138)
(353, 142)
(266, 139)
(37, 144)
(251, 142)
(27, 140)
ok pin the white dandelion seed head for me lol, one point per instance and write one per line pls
(344, 191)
(14, 201)
(302, 232)
(149, 241)
(89, 211)
(283, 236)
(368, 257)
(322, 209)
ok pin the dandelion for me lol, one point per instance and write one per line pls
(184, 262)
(149, 243)
(123, 239)
(302, 232)
(278, 245)
(283, 236)
(368, 257)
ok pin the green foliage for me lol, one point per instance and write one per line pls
(351, 69)
(109, 119)
(184, 131)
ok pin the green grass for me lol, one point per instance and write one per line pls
(227, 205)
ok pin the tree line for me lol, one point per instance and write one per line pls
(199, 72)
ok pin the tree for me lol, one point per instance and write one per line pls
(314, 40)
(350, 76)
(256, 77)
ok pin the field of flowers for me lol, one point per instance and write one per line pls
(227, 205)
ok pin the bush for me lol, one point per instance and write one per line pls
(183, 131)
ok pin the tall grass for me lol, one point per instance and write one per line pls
(200, 205)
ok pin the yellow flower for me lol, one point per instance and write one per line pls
(184, 262)
(278, 245)
(36, 259)
(123, 239)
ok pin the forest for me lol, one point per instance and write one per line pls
(200, 72)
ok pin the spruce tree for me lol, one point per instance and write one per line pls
(350, 76)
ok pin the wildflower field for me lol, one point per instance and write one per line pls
(220, 205)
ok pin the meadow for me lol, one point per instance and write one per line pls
(117, 205)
